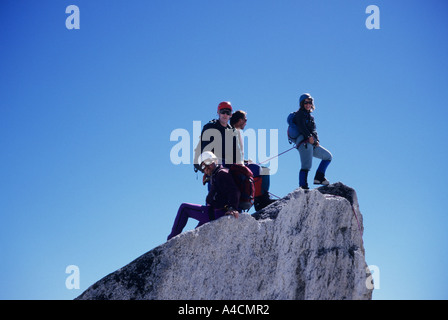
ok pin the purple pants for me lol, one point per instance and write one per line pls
(195, 211)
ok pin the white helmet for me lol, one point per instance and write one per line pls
(207, 158)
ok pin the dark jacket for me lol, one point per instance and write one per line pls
(223, 190)
(227, 137)
(305, 123)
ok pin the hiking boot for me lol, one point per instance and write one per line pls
(262, 201)
(320, 179)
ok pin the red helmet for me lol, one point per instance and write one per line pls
(225, 105)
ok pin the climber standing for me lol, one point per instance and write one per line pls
(308, 143)
(222, 199)
(218, 136)
(261, 174)
(238, 121)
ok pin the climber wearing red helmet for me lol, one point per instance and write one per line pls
(216, 131)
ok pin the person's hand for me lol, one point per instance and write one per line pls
(234, 213)
(311, 140)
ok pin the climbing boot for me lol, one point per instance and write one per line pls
(262, 201)
(319, 178)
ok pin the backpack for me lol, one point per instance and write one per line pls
(244, 180)
(261, 184)
(293, 131)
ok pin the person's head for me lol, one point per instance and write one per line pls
(208, 162)
(306, 102)
(239, 119)
(224, 112)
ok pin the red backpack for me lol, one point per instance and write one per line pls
(244, 180)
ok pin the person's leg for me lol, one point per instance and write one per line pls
(217, 213)
(326, 157)
(261, 183)
(188, 210)
(306, 158)
(303, 179)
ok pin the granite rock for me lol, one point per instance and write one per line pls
(307, 245)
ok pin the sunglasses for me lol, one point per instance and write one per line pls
(206, 164)
(308, 102)
(225, 111)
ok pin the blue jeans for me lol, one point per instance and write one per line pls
(307, 151)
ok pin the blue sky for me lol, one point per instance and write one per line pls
(86, 117)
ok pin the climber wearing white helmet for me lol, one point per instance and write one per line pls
(222, 199)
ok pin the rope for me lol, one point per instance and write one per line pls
(354, 213)
(274, 158)
(274, 195)
(359, 227)
(294, 147)
(276, 155)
